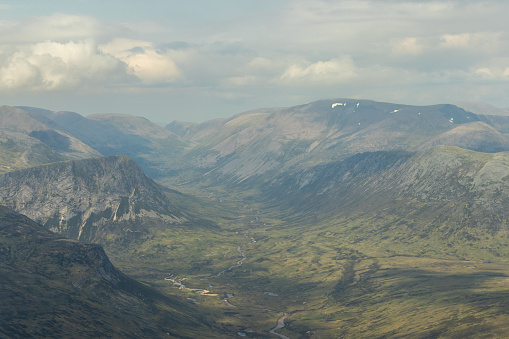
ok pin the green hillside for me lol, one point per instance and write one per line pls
(56, 287)
(339, 218)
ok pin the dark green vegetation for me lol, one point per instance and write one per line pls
(55, 287)
(360, 219)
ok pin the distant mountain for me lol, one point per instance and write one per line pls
(52, 287)
(150, 145)
(265, 142)
(89, 199)
(482, 108)
(40, 128)
(261, 143)
(132, 125)
(18, 150)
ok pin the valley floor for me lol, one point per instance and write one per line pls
(256, 273)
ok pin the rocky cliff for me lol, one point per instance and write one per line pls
(80, 198)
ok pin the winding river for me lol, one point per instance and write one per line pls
(179, 283)
(280, 324)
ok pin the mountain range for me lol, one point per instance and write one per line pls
(316, 211)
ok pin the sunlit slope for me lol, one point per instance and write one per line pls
(46, 131)
(90, 199)
(260, 144)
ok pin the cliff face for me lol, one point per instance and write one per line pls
(79, 198)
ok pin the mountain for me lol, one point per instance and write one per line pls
(440, 173)
(259, 144)
(38, 128)
(339, 218)
(262, 143)
(51, 286)
(89, 199)
(482, 108)
(443, 195)
(18, 150)
(150, 145)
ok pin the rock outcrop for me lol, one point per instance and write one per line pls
(81, 197)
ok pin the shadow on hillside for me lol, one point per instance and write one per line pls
(440, 302)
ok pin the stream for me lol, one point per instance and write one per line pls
(179, 283)
(280, 324)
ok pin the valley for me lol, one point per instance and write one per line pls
(359, 220)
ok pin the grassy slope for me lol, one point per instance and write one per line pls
(367, 272)
(16, 155)
(406, 267)
(59, 288)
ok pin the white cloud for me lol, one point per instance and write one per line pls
(143, 61)
(53, 66)
(406, 46)
(339, 70)
(484, 40)
(152, 67)
(484, 73)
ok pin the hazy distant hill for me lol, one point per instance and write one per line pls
(46, 131)
(261, 143)
(55, 287)
(18, 150)
(150, 145)
(482, 108)
(85, 199)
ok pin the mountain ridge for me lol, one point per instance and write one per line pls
(13, 119)
(55, 287)
(348, 215)
(75, 198)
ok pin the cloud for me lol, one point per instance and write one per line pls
(487, 41)
(60, 52)
(57, 27)
(411, 50)
(54, 66)
(484, 73)
(338, 70)
(406, 46)
(144, 61)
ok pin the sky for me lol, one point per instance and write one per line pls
(198, 60)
